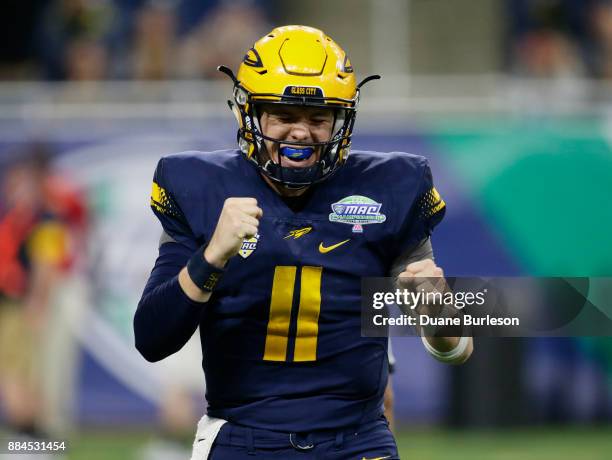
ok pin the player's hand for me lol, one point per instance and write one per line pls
(239, 220)
(423, 275)
(425, 268)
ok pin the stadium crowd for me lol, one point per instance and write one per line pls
(186, 39)
(125, 39)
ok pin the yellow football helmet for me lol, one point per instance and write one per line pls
(295, 65)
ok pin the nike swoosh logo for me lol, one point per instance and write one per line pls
(325, 250)
(377, 458)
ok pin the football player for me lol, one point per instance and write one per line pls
(265, 247)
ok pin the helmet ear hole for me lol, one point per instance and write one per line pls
(240, 95)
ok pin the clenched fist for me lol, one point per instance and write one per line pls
(425, 268)
(418, 276)
(239, 219)
(447, 344)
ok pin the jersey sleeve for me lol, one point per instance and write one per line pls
(426, 212)
(167, 209)
(166, 317)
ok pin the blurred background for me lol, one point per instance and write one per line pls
(511, 101)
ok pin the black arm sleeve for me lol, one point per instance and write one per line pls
(165, 318)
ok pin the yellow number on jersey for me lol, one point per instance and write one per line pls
(277, 337)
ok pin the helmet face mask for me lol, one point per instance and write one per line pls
(269, 160)
(295, 66)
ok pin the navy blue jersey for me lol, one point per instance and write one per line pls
(281, 341)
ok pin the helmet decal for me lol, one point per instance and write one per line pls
(252, 58)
